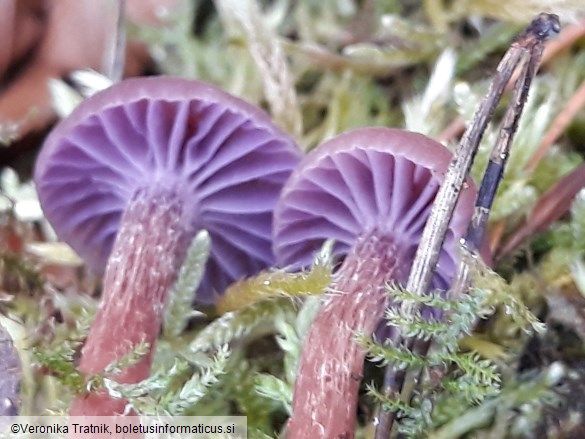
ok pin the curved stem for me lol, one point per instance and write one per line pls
(330, 371)
(141, 270)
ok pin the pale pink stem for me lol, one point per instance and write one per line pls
(141, 270)
(330, 370)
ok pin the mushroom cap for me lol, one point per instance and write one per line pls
(370, 180)
(222, 155)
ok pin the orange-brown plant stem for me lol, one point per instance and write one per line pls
(140, 271)
(553, 204)
(558, 126)
(330, 371)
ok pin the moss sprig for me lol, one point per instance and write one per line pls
(448, 372)
(59, 355)
(59, 360)
(290, 331)
(178, 310)
(235, 325)
(533, 391)
(175, 390)
(196, 387)
(279, 283)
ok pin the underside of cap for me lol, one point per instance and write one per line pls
(368, 181)
(219, 154)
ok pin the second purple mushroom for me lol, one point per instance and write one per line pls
(371, 190)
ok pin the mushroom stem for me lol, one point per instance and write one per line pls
(139, 274)
(330, 369)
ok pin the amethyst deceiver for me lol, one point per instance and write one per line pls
(10, 376)
(133, 173)
(371, 190)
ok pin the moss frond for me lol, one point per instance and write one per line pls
(132, 357)
(497, 292)
(196, 387)
(59, 356)
(399, 356)
(290, 330)
(234, 325)
(271, 387)
(178, 310)
(279, 283)
(537, 391)
(465, 377)
(59, 361)
(172, 391)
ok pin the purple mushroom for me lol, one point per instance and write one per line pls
(129, 178)
(371, 190)
(10, 376)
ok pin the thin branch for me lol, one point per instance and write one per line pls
(499, 156)
(529, 43)
(116, 53)
(566, 39)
